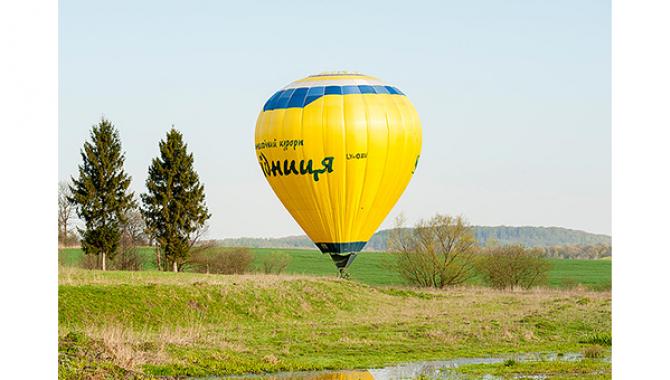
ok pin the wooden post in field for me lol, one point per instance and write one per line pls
(104, 268)
(174, 266)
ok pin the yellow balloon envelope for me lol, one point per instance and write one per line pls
(338, 150)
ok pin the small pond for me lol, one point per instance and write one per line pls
(433, 369)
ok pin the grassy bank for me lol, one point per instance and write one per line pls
(372, 268)
(588, 369)
(165, 324)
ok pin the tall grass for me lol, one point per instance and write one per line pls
(189, 324)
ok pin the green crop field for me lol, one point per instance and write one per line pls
(73, 256)
(594, 273)
(373, 268)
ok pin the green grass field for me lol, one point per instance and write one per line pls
(372, 268)
(159, 324)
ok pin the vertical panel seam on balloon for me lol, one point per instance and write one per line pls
(384, 196)
(342, 186)
(366, 214)
(289, 198)
(397, 185)
(313, 199)
(365, 172)
(325, 129)
(326, 175)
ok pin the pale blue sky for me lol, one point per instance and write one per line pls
(514, 97)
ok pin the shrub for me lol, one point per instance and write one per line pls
(221, 260)
(127, 259)
(435, 253)
(276, 262)
(593, 352)
(513, 266)
(569, 283)
(90, 261)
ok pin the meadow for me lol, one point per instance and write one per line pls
(373, 268)
(159, 324)
(149, 324)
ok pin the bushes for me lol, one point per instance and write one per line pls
(593, 352)
(127, 259)
(90, 261)
(442, 251)
(235, 261)
(221, 260)
(276, 262)
(435, 253)
(510, 266)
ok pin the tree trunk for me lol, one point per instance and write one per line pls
(158, 259)
(104, 267)
(174, 266)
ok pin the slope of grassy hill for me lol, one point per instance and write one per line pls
(135, 324)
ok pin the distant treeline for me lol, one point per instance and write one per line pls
(555, 241)
(301, 242)
(596, 251)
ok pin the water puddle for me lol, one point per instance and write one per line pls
(434, 369)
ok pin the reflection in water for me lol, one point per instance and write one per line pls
(344, 375)
(438, 369)
(312, 375)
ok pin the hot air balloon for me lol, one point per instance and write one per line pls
(338, 149)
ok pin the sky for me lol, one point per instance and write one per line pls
(513, 96)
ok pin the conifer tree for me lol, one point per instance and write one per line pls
(101, 192)
(174, 207)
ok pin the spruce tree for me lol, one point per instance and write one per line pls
(174, 207)
(101, 192)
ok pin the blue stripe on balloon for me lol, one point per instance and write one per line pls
(366, 90)
(302, 96)
(270, 104)
(381, 90)
(313, 94)
(349, 247)
(393, 90)
(282, 101)
(346, 90)
(333, 90)
(298, 98)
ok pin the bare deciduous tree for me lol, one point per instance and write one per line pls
(132, 237)
(435, 253)
(134, 227)
(510, 266)
(196, 245)
(65, 212)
